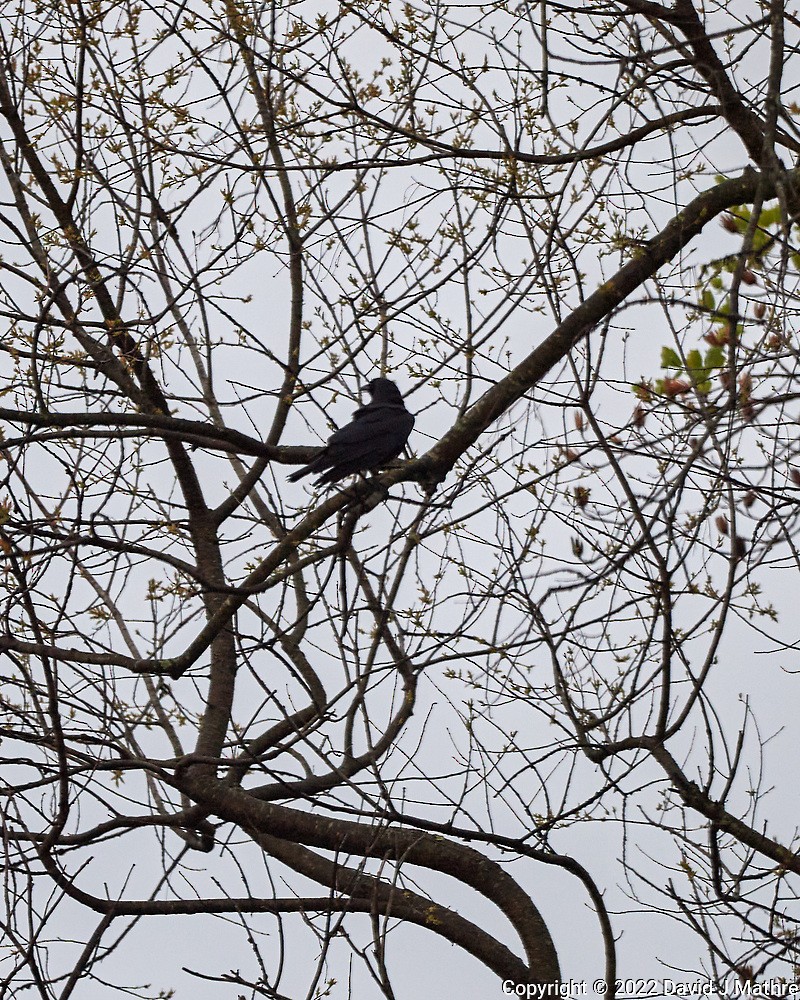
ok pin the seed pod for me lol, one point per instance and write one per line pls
(675, 387)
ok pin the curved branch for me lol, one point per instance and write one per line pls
(407, 846)
(391, 900)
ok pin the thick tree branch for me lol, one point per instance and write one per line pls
(406, 846)
(676, 235)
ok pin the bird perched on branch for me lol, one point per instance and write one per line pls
(375, 435)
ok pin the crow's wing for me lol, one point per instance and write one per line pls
(341, 437)
(369, 422)
(375, 436)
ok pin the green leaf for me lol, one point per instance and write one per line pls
(770, 216)
(670, 359)
(694, 362)
(708, 301)
(723, 309)
(760, 240)
(715, 357)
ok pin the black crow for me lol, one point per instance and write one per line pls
(374, 436)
